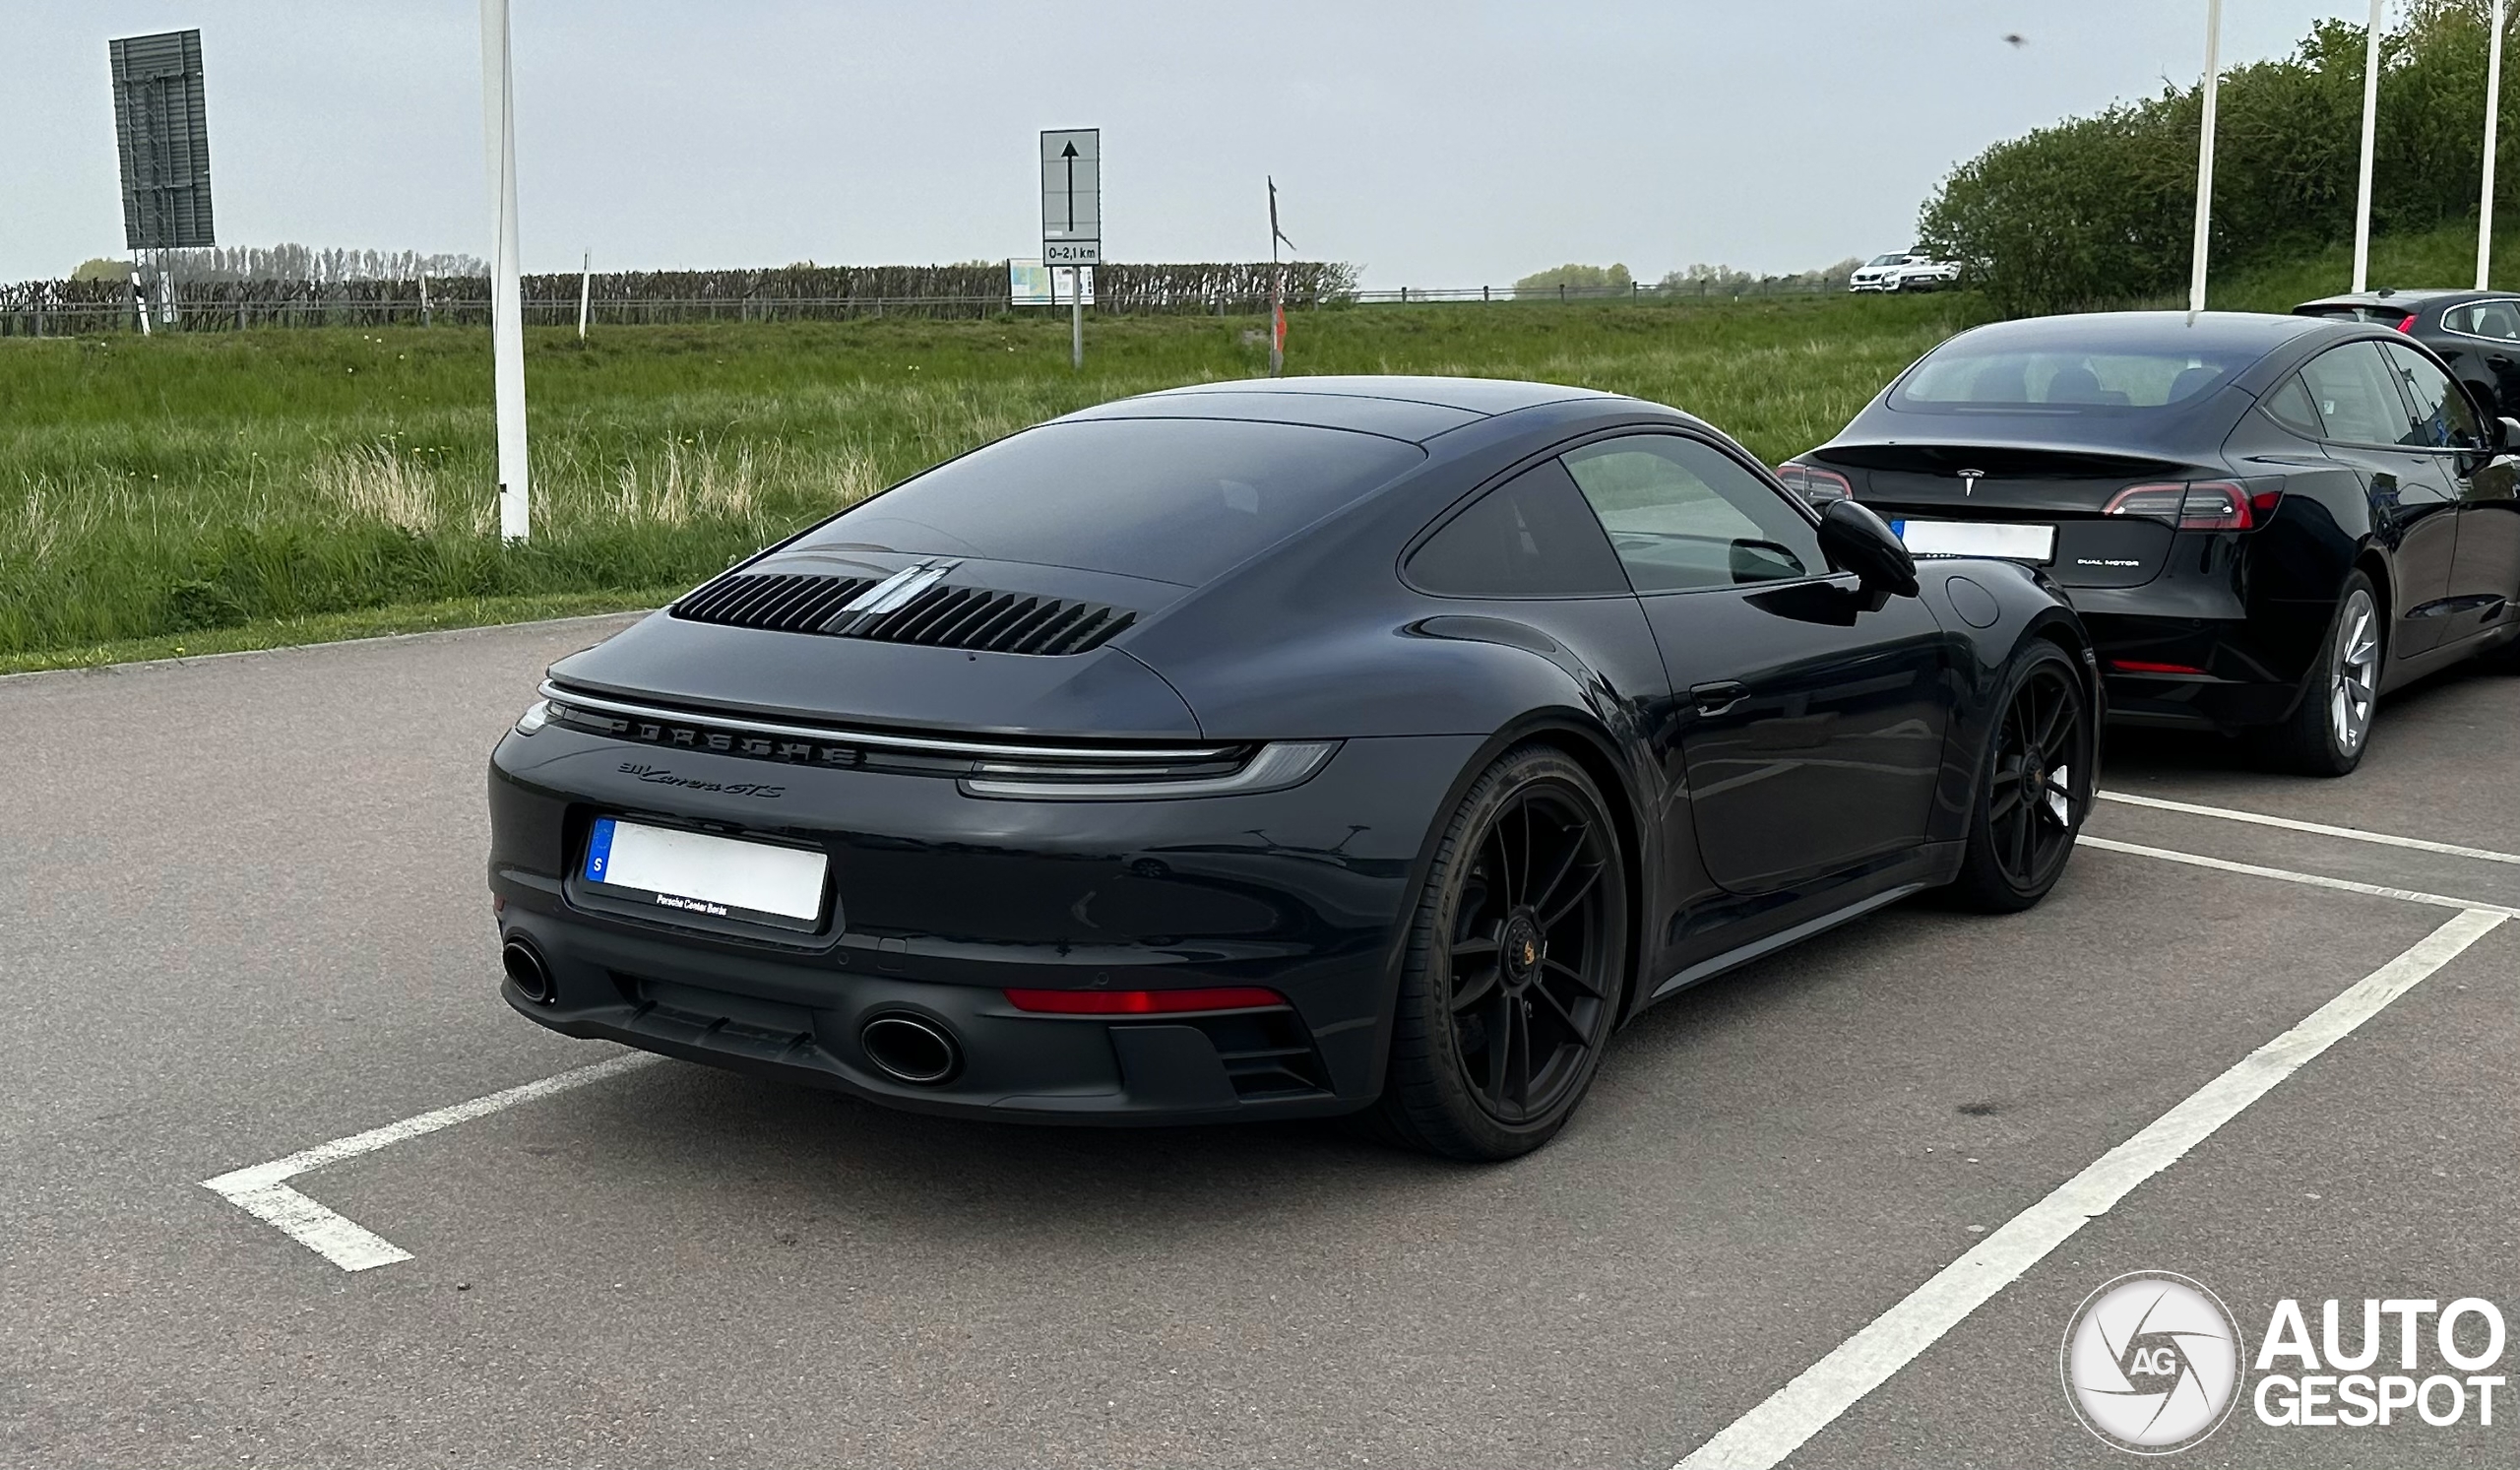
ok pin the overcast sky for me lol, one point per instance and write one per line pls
(1435, 145)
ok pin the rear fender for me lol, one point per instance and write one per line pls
(2012, 606)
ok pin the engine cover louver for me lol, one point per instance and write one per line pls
(787, 601)
(962, 617)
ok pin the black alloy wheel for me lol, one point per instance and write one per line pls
(2035, 787)
(1515, 964)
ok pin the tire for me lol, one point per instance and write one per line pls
(2034, 787)
(2330, 725)
(1519, 942)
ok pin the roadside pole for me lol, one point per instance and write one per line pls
(586, 282)
(2205, 158)
(2371, 119)
(2492, 132)
(1277, 289)
(1076, 318)
(507, 305)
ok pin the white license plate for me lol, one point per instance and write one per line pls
(693, 873)
(2037, 543)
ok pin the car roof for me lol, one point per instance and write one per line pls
(2388, 296)
(1415, 408)
(1482, 395)
(2098, 331)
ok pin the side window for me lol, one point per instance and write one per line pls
(2357, 397)
(2442, 417)
(2500, 320)
(1684, 515)
(1532, 536)
(2291, 406)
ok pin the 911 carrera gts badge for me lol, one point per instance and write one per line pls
(659, 776)
(1968, 480)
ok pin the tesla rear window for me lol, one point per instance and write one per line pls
(1176, 500)
(1959, 377)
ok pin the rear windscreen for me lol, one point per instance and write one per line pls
(1176, 500)
(1962, 376)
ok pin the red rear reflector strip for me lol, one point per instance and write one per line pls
(1142, 1002)
(2147, 665)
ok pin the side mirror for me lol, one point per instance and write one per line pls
(1858, 541)
(2507, 435)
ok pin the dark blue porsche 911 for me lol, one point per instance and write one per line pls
(1334, 746)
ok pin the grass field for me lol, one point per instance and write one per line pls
(156, 492)
(188, 493)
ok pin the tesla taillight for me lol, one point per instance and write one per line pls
(1814, 484)
(2201, 505)
(1143, 1002)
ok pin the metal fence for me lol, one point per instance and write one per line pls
(33, 310)
(1638, 291)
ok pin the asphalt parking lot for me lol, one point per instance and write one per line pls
(242, 915)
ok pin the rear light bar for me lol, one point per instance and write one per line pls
(1814, 484)
(2148, 666)
(2198, 505)
(1144, 1002)
(2408, 325)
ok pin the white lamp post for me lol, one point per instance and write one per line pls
(507, 322)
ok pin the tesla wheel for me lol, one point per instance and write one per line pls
(2328, 728)
(2034, 785)
(1516, 952)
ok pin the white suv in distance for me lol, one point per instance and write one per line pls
(1907, 270)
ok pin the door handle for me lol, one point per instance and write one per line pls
(1718, 698)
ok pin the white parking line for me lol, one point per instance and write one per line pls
(1829, 1387)
(2290, 824)
(2312, 880)
(263, 1191)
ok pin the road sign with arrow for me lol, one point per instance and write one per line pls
(1072, 197)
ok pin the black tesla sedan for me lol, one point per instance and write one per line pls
(2477, 333)
(2266, 521)
(1273, 750)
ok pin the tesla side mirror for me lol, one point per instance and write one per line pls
(2507, 435)
(1856, 539)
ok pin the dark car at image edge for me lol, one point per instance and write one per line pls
(1325, 746)
(2266, 522)
(2475, 333)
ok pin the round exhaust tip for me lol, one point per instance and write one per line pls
(527, 971)
(909, 1050)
